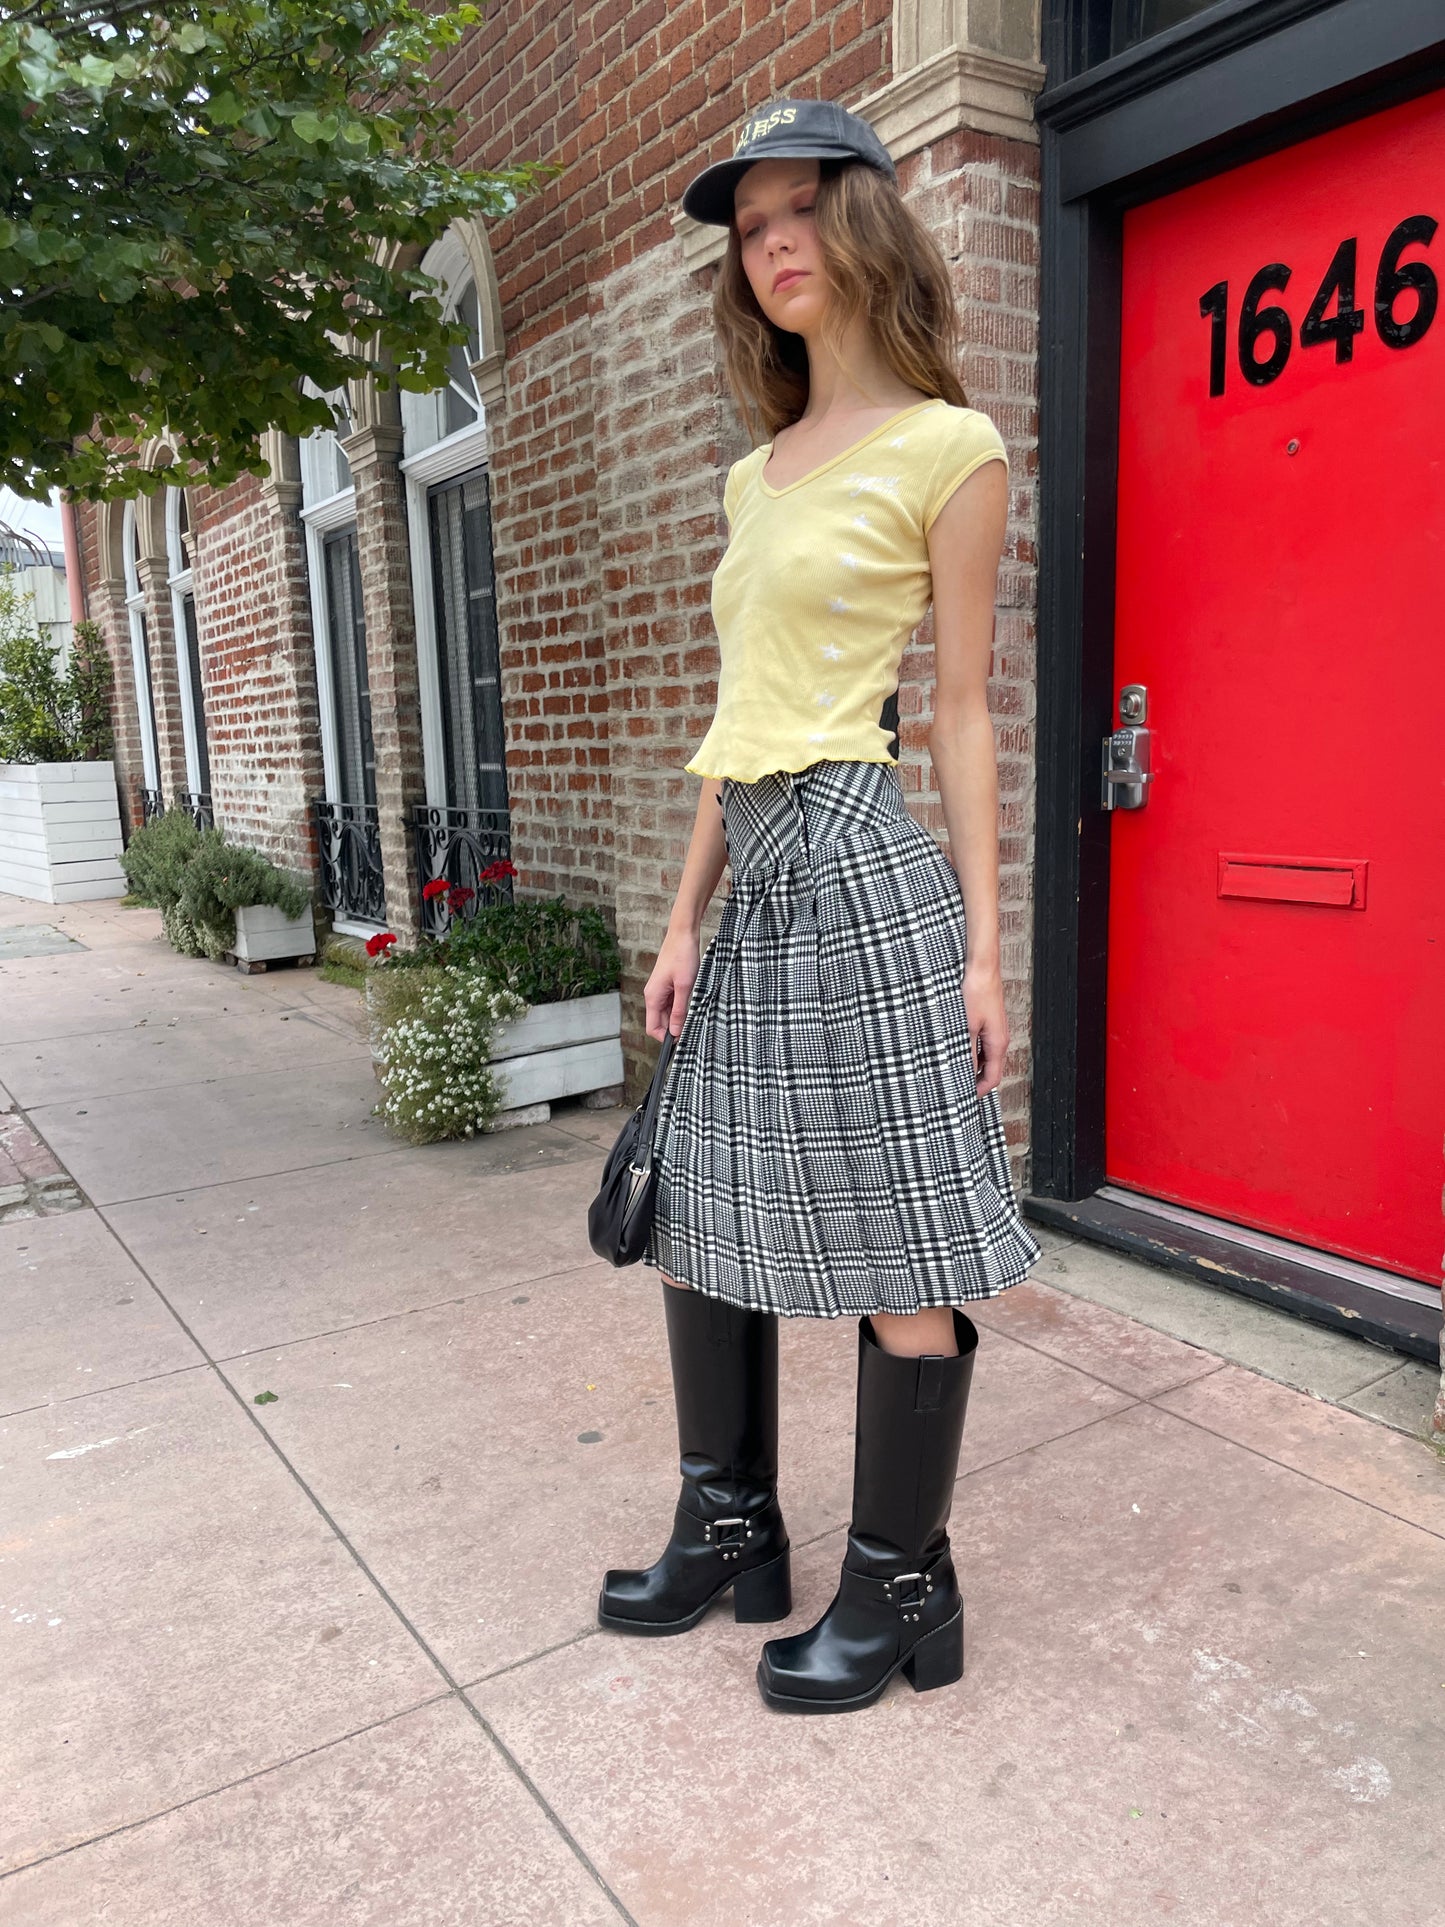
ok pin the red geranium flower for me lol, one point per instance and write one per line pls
(494, 872)
(436, 888)
(383, 940)
(458, 897)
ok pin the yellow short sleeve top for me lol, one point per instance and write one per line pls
(822, 584)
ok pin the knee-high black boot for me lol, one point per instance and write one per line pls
(898, 1602)
(728, 1529)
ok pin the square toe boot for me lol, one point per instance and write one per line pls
(727, 1530)
(898, 1604)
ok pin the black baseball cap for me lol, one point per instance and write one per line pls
(784, 130)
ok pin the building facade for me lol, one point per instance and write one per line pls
(476, 623)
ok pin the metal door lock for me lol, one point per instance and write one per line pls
(1126, 772)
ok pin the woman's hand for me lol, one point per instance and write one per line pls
(667, 990)
(987, 1023)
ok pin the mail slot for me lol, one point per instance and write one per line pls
(1338, 884)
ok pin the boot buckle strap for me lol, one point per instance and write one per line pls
(727, 1536)
(909, 1592)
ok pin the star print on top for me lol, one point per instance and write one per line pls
(821, 586)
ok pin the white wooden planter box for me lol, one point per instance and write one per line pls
(263, 934)
(60, 838)
(554, 1050)
(559, 1050)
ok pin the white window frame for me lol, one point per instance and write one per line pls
(135, 616)
(336, 512)
(181, 584)
(458, 455)
(454, 455)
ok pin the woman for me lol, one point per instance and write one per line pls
(829, 1141)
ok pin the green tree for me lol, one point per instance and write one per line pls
(201, 204)
(50, 715)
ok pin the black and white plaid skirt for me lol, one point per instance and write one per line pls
(821, 1146)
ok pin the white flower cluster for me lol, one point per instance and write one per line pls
(436, 1059)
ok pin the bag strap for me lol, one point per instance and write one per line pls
(643, 1151)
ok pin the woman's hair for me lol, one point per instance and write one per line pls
(880, 261)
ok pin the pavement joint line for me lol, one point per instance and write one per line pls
(1175, 1277)
(249, 1177)
(100, 1391)
(119, 1030)
(1032, 1345)
(387, 1317)
(287, 1171)
(190, 1083)
(226, 1786)
(253, 1417)
(1326, 1485)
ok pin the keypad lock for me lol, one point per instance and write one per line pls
(1126, 773)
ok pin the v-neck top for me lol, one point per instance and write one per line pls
(821, 585)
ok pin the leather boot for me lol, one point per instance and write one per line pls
(898, 1602)
(727, 1530)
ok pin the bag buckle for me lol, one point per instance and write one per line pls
(728, 1536)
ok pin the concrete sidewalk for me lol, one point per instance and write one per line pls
(331, 1658)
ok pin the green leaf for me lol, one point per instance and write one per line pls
(264, 1398)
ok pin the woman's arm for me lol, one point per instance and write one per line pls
(668, 988)
(965, 545)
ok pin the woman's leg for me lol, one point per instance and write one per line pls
(727, 1529)
(923, 1334)
(898, 1602)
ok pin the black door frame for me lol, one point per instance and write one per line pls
(1242, 79)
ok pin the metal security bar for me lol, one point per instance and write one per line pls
(454, 848)
(353, 885)
(197, 805)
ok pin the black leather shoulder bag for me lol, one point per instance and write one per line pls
(619, 1218)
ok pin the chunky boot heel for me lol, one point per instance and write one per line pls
(765, 1594)
(898, 1607)
(938, 1659)
(727, 1529)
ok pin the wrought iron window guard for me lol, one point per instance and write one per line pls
(353, 884)
(152, 805)
(197, 805)
(454, 847)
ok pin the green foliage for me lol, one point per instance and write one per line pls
(198, 881)
(432, 1032)
(49, 714)
(155, 859)
(92, 681)
(541, 947)
(202, 204)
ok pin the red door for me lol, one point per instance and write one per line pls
(1276, 984)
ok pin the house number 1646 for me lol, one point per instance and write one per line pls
(1259, 320)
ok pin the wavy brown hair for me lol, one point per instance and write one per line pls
(880, 261)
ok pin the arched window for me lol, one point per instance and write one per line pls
(188, 653)
(456, 408)
(445, 462)
(152, 800)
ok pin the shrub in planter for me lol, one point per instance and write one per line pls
(49, 714)
(432, 1037)
(198, 881)
(222, 878)
(546, 950)
(155, 859)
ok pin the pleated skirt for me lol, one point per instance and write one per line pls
(821, 1148)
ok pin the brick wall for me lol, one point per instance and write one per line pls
(608, 453)
(258, 670)
(554, 644)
